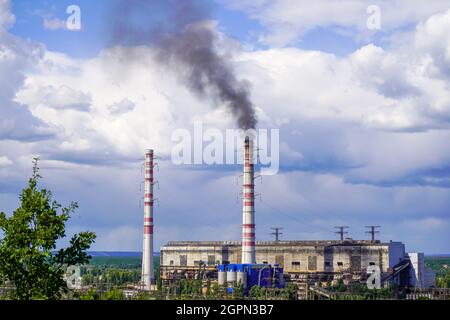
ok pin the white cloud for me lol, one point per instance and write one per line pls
(387, 72)
(125, 95)
(124, 238)
(433, 39)
(371, 90)
(6, 17)
(121, 107)
(4, 161)
(368, 130)
(288, 21)
(16, 58)
(54, 23)
(65, 97)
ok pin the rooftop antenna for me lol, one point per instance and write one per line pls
(342, 231)
(277, 233)
(373, 231)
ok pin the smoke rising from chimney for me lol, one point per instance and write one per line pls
(185, 43)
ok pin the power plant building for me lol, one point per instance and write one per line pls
(303, 261)
(296, 257)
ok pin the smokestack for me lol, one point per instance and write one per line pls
(148, 277)
(248, 214)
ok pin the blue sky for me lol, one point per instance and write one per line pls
(95, 18)
(363, 118)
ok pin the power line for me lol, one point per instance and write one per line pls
(299, 219)
(342, 231)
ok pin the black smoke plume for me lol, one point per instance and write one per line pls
(185, 43)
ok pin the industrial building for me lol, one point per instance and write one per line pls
(294, 256)
(329, 259)
(308, 263)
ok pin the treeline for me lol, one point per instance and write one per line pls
(357, 291)
(114, 273)
(117, 277)
(443, 281)
(195, 289)
(441, 266)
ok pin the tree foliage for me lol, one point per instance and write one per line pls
(29, 239)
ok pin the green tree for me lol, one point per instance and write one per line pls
(340, 286)
(238, 290)
(289, 292)
(91, 294)
(256, 292)
(215, 291)
(113, 294)
(197, 289)
(443, 281)
(29, 240)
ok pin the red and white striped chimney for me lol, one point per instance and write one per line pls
(148, 277)
(248, 214)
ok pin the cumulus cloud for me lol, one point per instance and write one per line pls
(121, 107)
(6, 17)
(16, 58)
(331, 101)
(54, 23)
(287, 23)
(433, 39)
(140, 92)
(4, 161)
(361, 136)
(386, 72)
(65, 97)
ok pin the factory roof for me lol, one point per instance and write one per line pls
(277, 243)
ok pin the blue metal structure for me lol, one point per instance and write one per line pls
(263, 275)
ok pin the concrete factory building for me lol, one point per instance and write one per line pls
(296, 257)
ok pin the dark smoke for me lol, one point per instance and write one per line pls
(186, 44)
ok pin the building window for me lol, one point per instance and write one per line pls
(171, 262)
(355, 263)
(371, 263)
(327, 264)
(279, 260)
(198, 263)
(264, 262)
(183, 260)
(295, 263)
(211, 260)
(340, 264)
(312, 263)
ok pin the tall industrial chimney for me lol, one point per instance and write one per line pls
(148, 277)
(248, 214)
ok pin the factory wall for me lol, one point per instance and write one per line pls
(417, 269)
(294, 256)
(396, 253)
